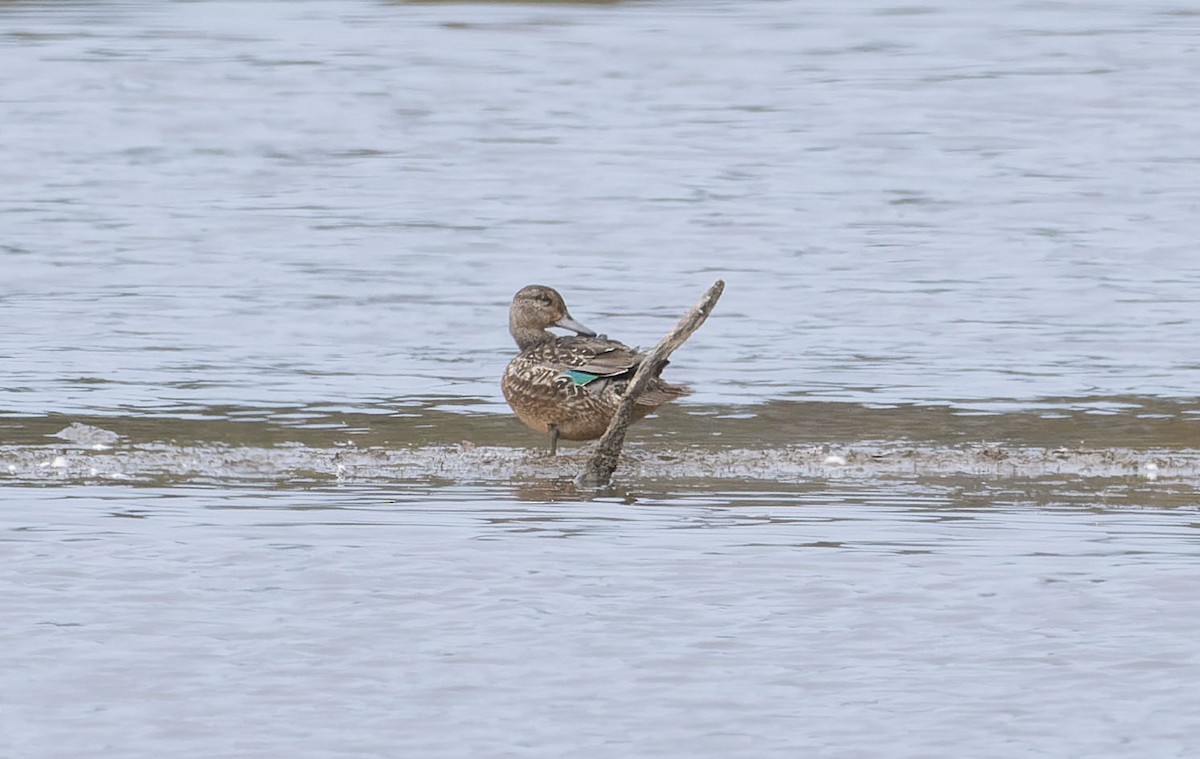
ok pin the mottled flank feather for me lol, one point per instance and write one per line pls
(572, 384)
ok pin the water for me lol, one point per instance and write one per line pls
(263, 204)
(935, 493)
(841, 621)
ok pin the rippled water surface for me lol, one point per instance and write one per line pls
(935, 493)
(332, 202)
(826, 620)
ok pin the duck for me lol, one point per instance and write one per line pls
(569, 387)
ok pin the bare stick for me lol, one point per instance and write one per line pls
(603, 462)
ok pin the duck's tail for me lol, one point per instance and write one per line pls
(660, 392)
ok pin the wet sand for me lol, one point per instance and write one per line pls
(297, 465)
(702, 447)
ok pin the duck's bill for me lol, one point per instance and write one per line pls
(568, 323)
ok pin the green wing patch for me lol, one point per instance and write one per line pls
(580, 378)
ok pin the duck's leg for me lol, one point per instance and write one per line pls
(553, 440)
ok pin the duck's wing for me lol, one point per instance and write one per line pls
(597, 363)
(590, 358)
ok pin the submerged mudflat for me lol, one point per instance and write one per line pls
(703, 449)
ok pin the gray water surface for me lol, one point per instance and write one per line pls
(830, 621)
(935, 493)
(262, 204)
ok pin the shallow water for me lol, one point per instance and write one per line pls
(843, 621)
(261, 204)
(936, 491)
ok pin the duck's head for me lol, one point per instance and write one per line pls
(536, 307)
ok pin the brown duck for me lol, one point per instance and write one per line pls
(569, 387)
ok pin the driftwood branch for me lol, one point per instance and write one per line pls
(603, 462)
